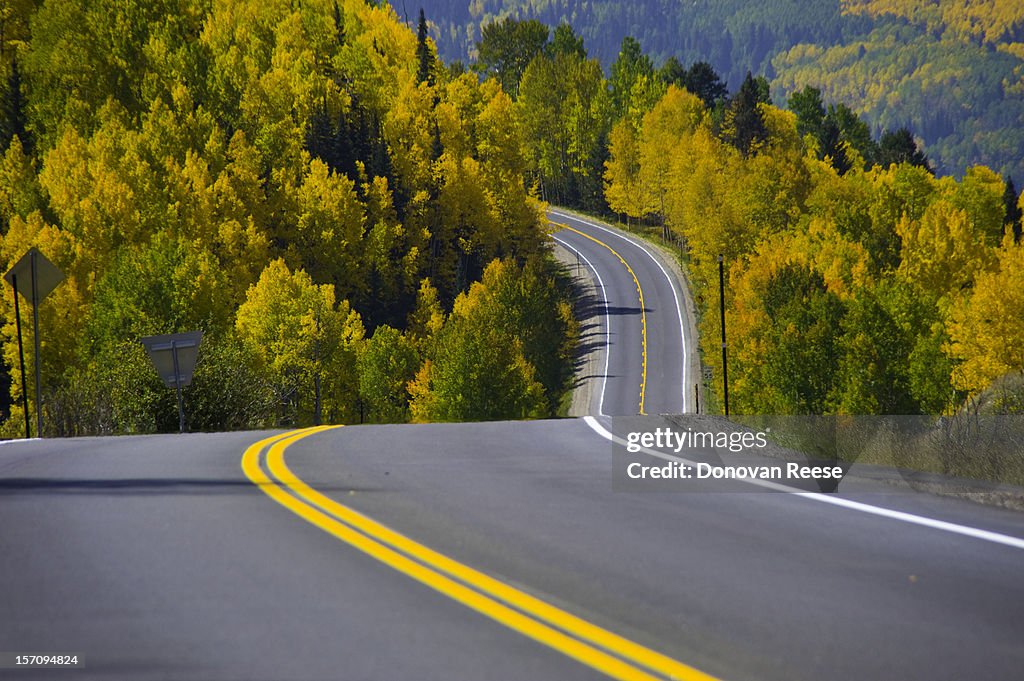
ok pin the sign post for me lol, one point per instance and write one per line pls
(174, 356)
(44, 276)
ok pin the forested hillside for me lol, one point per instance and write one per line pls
(358, 227)
(851, 288)
(304, 182)
(951, 71)
(857, 281)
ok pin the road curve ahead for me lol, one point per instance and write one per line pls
(650, 365)
(475, 551)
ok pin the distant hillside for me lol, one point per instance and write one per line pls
(952, 70)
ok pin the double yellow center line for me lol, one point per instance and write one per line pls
(615, 656)
(643, 309)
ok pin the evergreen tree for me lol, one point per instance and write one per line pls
(672, 72)
(1012, 221)
(744, 122)
(854, 131)
(343, 150)
(507, 47)
(12, 111)
(628, 70)
(831, 146)
(763, 88)
(702, 81)
(339, 24)
(901, 147)
(809, 110)
(566, 42)
(320, 135)
(424, 54)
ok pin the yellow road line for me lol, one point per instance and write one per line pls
(643, 312)
(531, 615)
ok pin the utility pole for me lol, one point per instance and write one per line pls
(721, 307)
(317, 413)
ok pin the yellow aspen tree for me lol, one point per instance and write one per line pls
(986, 328)
(623, 188)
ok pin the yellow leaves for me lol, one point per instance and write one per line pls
(99, 189)
(63, 313)
(178, 172)
(457, 112)
(467, 205)
(329, 228)
(242, 250)
(644, 94)
(782, 135)
(980, 195)
(676, 114)
(942, 251)
(19, 188)
(967, 20)
(664, 131)
(623, 188)
(379, 54)
(293, 324)
(59, 245)
(986, 328)
(499, 138)
(843, 264)
(422, 400)
(409, 132)
(490, 359)
(427, 318)
(329, 205)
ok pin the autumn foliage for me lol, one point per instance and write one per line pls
(853, 288)
(294, 179)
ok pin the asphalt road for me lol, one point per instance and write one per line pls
(615, 319)
(159, 558)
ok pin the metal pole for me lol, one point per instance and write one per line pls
(177, 387)
(21, 359)
(317, 409)
(721, 306)
(696, 398)
(317, 412)
(35, 328)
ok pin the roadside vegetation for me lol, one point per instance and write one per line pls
(857, 282)
(358, 228)
(345, 219)
(950, 70)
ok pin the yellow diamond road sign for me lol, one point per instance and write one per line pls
(47, 275)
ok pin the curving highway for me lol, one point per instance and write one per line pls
(491, 550)
(642, 315)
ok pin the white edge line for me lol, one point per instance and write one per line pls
(671, 285)
(22, 439)
(607, 322)
(985, 535)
